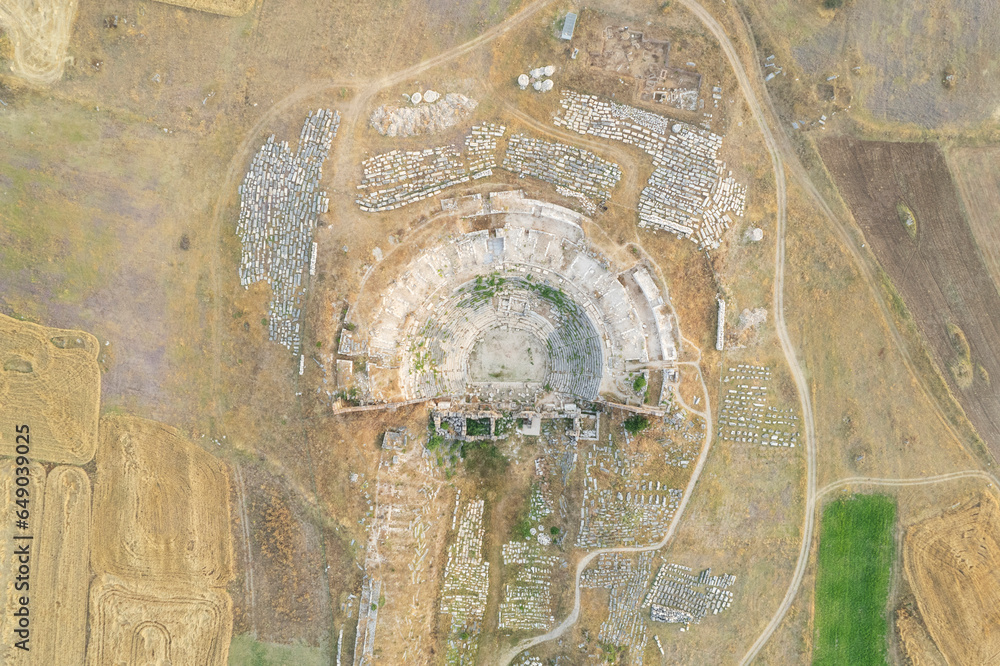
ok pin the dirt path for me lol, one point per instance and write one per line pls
(349, 118)
(557, 631)
(779, 316)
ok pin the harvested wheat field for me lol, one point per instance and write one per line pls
(939, 271)
(50, 381)
(157, 623)
(40, 32)
(161, 506)
(953, 564)
(8, 544)
(917, 644)
(224, 7)
(59, 599)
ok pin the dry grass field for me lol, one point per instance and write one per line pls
(50, 380)
(976, 173)
(953, 565)
(939, 273)
(63, 569)
(902, 53)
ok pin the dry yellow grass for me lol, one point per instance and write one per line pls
(50, 380)
(952, 562)
(161, 506)
(59, 599)
(224, 7)
(157, 623)
(40, 32)
(8, 558)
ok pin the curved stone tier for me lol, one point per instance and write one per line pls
(525, 307)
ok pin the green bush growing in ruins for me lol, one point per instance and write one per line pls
(639, 384)
(477, 427)
(636, 424)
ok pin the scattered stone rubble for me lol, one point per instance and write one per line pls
(481, 148)
(527, 597)
(397, 178)
(425, 118)
(626, 579)
(279, 206)
(687, 193)
(575, 169)
(638, 513)
(678, 596)
(745, 415)
(466, 583)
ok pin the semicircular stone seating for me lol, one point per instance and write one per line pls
(535, 274)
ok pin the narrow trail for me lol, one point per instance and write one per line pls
(366, 89)
(780, 147)
(913, 481)
(507, 656)
(787, 348)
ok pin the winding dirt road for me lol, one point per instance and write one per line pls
(557, 631)
(787, 349)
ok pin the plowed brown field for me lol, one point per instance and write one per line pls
(939, 273)
(953, 564)
(161, 505)
(50, 380)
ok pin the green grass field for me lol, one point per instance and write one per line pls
(856, 550)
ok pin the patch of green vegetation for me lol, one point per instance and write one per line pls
(434, 442)
(907, 218)
(477, 427)
(504, 425)
(983, 375)
(856, 550)
(553, 295)
(961, 366)
(245, 651)
(833, 4)
(612, 653)
(482, 290)
(636, 424)
(484, 459)
(522, 529)
(554, 531)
